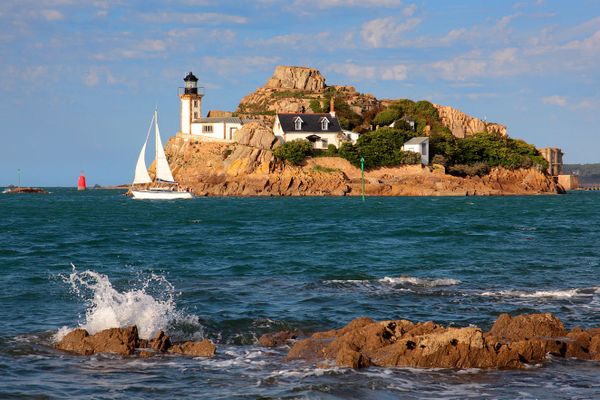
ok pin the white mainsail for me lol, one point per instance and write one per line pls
(163, 171)
(141, 172)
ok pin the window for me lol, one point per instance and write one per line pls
(195, 114)
(324, 124)
(298, 123)
(424, 149)
(195, 103)
(324, 143)
(207, 128)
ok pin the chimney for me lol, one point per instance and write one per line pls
(331, 107)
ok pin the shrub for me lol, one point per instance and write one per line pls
(295, 151)
(387, 116)
(479, 169)
(439, 159)
(315, 106)
(380, 148)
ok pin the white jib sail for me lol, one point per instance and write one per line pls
(141, 172)
(163, 171)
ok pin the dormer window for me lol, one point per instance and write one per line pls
(298, 123)
(324, 124)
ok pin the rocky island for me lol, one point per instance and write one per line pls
(247, 164)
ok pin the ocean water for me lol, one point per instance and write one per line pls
(231, 269)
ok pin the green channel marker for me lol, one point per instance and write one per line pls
(362, 174)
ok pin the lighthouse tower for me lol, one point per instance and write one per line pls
(191, 103)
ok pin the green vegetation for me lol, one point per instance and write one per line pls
(422, 112)
(381, 148)
(347, 117)
(295, 151)
(296, 94)
(474, 155)
(320, 168)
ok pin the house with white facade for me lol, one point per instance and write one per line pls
(221, 129)
(419, 145)
(320, 129)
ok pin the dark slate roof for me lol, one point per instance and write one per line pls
(417, 140)
(312, 123)
(190, 77)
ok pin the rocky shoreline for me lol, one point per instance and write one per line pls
(248, 168)
(511, 343)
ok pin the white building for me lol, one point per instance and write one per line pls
(221, 129)
(419, 145)
(352, 136)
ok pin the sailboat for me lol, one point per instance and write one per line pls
(164, 186)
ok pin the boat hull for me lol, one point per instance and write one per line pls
(160, 195)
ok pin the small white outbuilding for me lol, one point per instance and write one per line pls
(419, 145)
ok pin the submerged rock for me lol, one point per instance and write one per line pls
(125, 341)
(203, 348)
(278, 339)
(511, 343)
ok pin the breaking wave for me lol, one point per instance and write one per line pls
(151, 306)
(426, 282)
(556, 294)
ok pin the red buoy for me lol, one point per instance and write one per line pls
(81, 182)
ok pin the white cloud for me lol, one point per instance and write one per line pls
(322, 4)
(193, 18)
(387, 31)
(238, 64)
(555, 100)
(409, 11)
(52, 15)
(293, 39)
(475, 64)
(397, 72)
(92, 78)
(98, 75)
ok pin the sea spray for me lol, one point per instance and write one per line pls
(151, 306)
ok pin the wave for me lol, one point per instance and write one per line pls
(426, 282)
(151, 306)
(556, 294)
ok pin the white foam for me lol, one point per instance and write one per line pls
(109, 308)
(346, 281)
(427, 282)
(557, 294)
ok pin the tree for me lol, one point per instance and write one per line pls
(387, 116)
(380, 148)
(295, 151)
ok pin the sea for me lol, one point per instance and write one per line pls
(231, 269)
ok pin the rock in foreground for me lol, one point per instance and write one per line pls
(125, 342)
(511, 343)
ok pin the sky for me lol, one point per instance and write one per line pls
(79, 79)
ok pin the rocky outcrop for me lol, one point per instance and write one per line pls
(301, 78)
(21, 190)
(126, 342)
(291, 89)
(278, 339)
(511, 343)
(248, 168)
(203, 348)
(462, 125)
(121, 341)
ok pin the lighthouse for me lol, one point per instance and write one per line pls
(191, 103)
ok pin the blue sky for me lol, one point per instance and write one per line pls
(79, 78)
